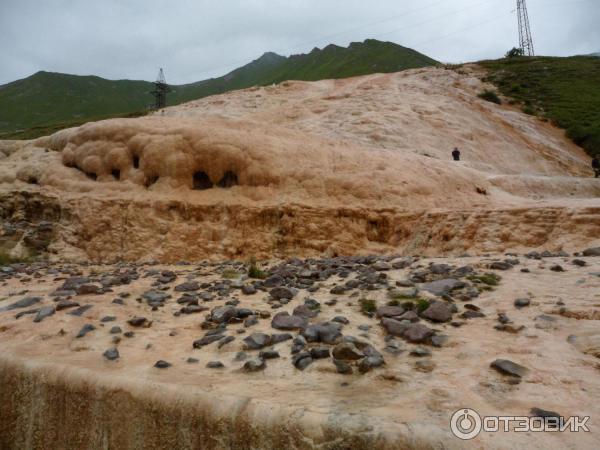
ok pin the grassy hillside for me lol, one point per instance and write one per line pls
(45, 102)
(49, 98)
(564, 90)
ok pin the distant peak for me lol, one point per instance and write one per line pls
(332, 47)
(270, 56)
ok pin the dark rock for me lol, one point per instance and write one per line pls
(442, 287)
(273, 281)
(193, 309)
(268, 354)
(472, 315)
(338, 290)
(223, 314)
(394, 327)
(192, 361)
(319, 352)
(254, 365)
(108, 319)
(557, 268)
(283, 321)
(503, 318)
(417, 333)
(215, 365)
(115, 330)
(302, 360)
(87, 289)
(327, 333)
(85, 330)
(579, 262)
(280, 337)
(543, 413)
(129, 334)
(44, 312)
(162, 364)
(226, 340)
(207, 340)
(188, 286)
(242, 313)
(240, 356)
(509, 328)
(507, 367)
(250, 321)
(420, 352)
(248, 289)
(401, 263)
(137, 321)
(500, 265)
(167, 276)
(390, 311)
(66, 304)
(425, 365)
(279, 293)
(439, 340)
(382, 266)
(347, 351)
(522, 302)
(342, 367)
(369, 363)
(438, 312)
(304, 311)
(591, 252)
(23, 303)
(409, 315)
(256, 341)
(340, 319)
(111, 354)
(155, 297)
(298, 344)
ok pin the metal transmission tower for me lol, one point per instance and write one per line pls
(525, 39)
(160, 90)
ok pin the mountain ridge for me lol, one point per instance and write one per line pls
(47, 101)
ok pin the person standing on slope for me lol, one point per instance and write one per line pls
(596, 166)
(456, 154)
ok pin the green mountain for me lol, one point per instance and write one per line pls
(45, 102)
(565, 91)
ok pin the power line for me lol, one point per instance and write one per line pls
(462, 30)
(233, 66)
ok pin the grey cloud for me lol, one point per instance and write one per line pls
(198, 39)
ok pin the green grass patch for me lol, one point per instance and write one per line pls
(490, 96)
(6, 259)
(422, 305)
(367, 306)
(254, 271)
(488, 279)
(230, 274)
(393, 296)
(566, 91)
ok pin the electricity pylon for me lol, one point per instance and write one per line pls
(160, 90)
(525, 39)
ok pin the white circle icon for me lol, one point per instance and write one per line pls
(465, 424)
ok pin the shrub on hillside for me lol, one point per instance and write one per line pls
(490, 96)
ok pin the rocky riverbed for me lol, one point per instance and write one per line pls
(313, 353)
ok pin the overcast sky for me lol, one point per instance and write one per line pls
(199, 39)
